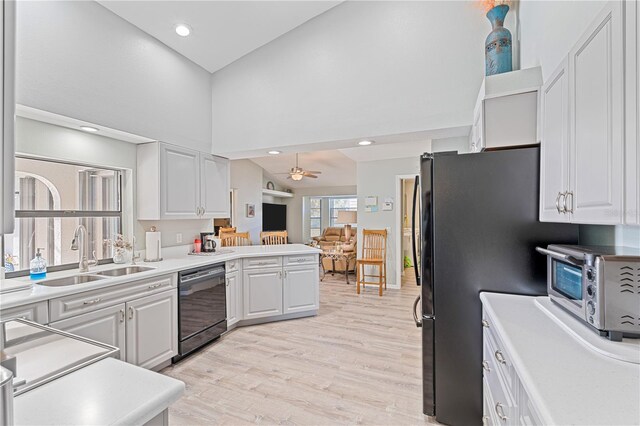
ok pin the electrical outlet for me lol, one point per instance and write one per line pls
(178, 237)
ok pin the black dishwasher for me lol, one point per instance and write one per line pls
(202, 307)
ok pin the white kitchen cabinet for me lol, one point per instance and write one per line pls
(179, 183)
(105, 325)
(554, 153)
(152, 329)
(300, 290)
(214, 186)
(36, 312)
(234, 299)
(585, 135)
(632, 113)
(7, 115)
(596, 135)
(506, 110)
(262, 292)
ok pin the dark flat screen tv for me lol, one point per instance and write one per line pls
(274, 217)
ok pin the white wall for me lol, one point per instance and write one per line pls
(360, 69)
(78, 59)
(548, 30)
(296, 225)
(378, 178)
(246, 180)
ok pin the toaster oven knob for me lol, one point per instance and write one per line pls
(591, 307)
(590, 275)
(591, 291)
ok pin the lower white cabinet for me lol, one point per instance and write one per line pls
(105, 325)
(152, 329)
(262, 292)
(145, 329)
(234, 299)
(300, 292)
(36, 312)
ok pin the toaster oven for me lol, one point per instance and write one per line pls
(598, 284)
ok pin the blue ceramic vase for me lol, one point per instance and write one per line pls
(497, 49)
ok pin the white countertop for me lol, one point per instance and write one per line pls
(568, 382)
(107, 392)
(174, 260)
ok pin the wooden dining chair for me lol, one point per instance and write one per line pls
(374, 255)
(229, 230)
(271, 238)
(235, 239)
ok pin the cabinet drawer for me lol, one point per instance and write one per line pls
(75, 304)
(262, 262)
(36, 312)
(301, 259)
(232, 265)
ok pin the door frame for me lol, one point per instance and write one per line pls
(399, 228)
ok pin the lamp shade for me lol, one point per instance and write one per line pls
(347, 216)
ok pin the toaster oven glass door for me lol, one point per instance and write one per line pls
(567, 280)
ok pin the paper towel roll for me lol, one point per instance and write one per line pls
(153, 250)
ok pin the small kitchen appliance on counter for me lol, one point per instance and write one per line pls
(598, 284)
(208, 242)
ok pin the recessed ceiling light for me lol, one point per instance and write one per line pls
(365, 143)
(89, 129)
(183, 30)
(274, 152)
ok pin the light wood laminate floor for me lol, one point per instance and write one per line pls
(357, 362)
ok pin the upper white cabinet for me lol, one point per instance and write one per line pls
(7, 115)
(582, 123)
(632, 114)
(506, 111)
(179, 183)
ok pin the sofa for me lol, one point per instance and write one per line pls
(332, 237)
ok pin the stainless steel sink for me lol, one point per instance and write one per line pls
(72, 280)
(125, 271)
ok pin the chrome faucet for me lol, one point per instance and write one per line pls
(81, 233)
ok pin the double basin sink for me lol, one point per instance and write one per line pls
(82, 279)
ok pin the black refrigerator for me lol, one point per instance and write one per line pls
(478, 232)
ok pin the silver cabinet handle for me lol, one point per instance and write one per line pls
(500, 357)
(121, 315)
(152, 286)
(91, 302)
(280, 274)
(500, 412)
(285, 274)
(227, 280)
(558, 203)
(485, 366)
(485, 323)
(130, 312)
(566, 196)
(417, 320)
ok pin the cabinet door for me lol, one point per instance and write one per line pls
(262, 293)
(180, 177)
(214, 186)
(104, 325)
(301, 289)
(554, 158)
(7, 115)
(152, 329)
(36, 312)
(632, 114)
(597, 120)
(234, 301)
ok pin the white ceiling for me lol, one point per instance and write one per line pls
(222, 31)
(337, 169)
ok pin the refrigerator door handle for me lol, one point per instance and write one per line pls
(417, 320)
(416, 267)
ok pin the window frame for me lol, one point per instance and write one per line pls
(319, 217)
(66, 214)
(337, 209)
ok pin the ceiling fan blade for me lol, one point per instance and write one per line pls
(282, 173)
(309, 175)
(315, 172)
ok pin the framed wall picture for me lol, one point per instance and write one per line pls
(251, 210)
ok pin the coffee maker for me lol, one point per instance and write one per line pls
(208, 242)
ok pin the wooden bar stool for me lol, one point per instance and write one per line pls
(235, 239)
(273, 237)
(374, 255)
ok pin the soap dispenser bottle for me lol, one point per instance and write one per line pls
(38, 267)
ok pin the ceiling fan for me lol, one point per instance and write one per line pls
(297, 173)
